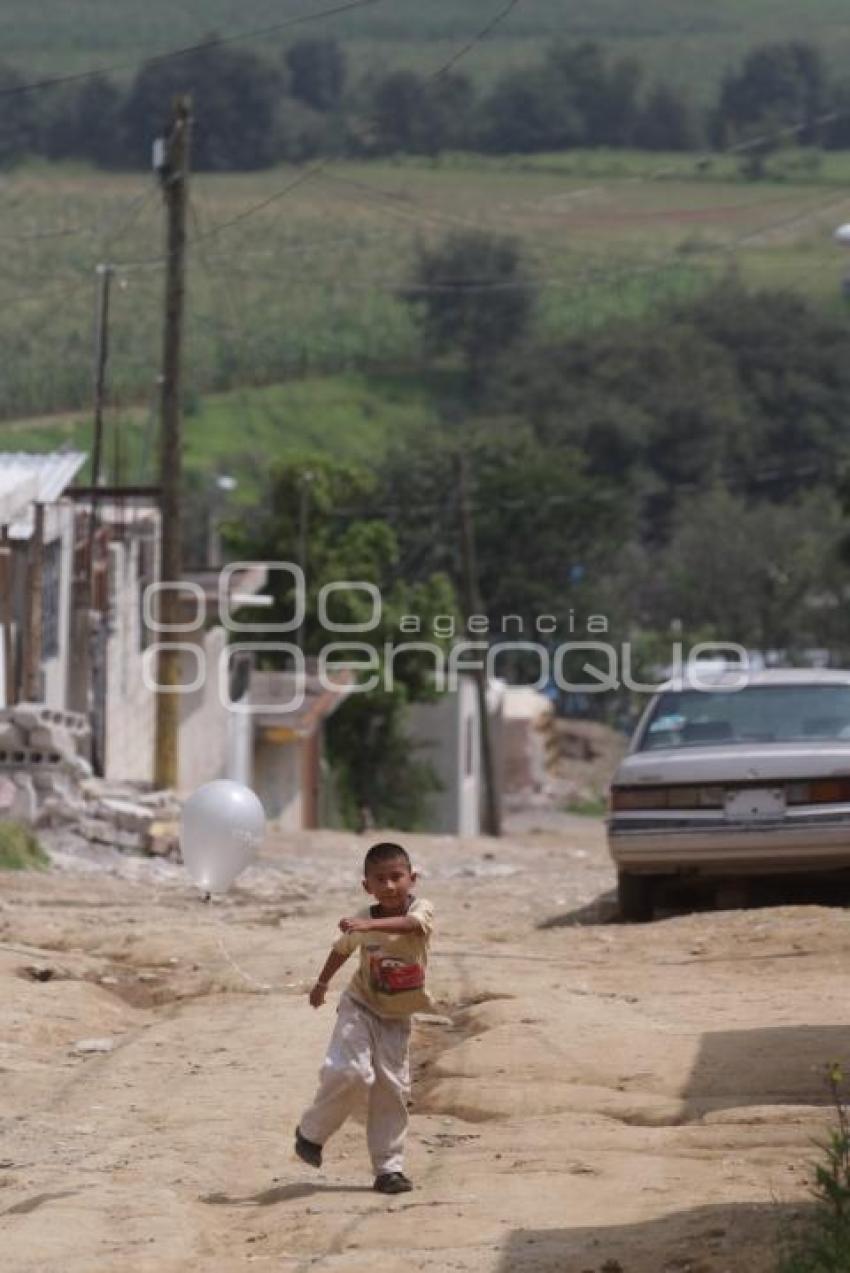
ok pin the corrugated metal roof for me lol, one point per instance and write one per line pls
(27, 477)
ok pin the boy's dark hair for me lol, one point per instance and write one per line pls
(385, 852)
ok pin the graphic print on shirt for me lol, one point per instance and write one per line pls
(391, 976)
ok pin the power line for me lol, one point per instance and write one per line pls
(319, 166)
(486, 30)
(186, 50)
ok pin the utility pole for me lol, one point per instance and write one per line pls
(303, 532)
(86, 639)
(7, 672)
(472, 604)
(104, 273)
(172, 160)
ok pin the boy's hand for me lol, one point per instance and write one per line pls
(355, 925)
(317, 995)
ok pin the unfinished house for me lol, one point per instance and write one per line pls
(284, 761)
(73, 637)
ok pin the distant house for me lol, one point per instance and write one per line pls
(447, 736)
(285, 762)
(80, 646)
(37, 538)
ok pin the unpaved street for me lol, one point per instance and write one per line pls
(606, 1098)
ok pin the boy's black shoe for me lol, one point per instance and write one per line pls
(393, 1182)
(307, 1150)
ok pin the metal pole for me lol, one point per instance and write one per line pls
(473, 606)
(35, 611)
(303, 540)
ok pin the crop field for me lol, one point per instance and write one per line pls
(295, 329)
(692, 40)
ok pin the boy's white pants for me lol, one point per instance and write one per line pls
(366, 1052)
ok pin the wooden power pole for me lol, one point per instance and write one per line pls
(104, 274)
(473, 606)
(173, 165)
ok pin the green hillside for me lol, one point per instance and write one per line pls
(309, 285)
(695, 39)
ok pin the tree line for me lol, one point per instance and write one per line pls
(686, 476)
(253, 110)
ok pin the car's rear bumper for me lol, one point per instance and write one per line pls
(798, 842)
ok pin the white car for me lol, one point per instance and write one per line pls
(734, 781)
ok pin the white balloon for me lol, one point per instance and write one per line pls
(221, 830)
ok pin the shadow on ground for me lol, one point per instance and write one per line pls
(741, 1238)
(280, 1193)
(686, 897)
(601, 910)
(779, 1065)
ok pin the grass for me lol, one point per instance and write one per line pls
(20, 849)
(592, 807)
(353, 415)
(821, 1243)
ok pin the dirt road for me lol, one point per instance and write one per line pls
(606, 1099)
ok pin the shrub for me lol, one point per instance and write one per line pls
(20, 849)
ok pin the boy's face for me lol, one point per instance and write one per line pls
(390, 883)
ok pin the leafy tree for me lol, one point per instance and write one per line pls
(604, 97)
(234, 100)
(377, 765)
(402, 116)
(666, 121)
(745, 388)
(471, 295)
(81, 122)
(537, 514)
(520, 117)
(778, 84)
(19, 121)
(452, 106)
(317, 72)
(836, 133)
(573, 98)
(756, 573)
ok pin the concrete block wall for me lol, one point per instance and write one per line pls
(204, 720)
(130, 706)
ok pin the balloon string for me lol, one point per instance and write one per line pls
(262, 986)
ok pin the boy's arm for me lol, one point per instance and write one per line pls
(395, 924)
(332, 965)
(419, 919)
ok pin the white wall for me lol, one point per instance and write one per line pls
(447, 734)
(277, 781)
(130, 707)
(204, 731)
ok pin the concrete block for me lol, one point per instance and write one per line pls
(163, 839)
(25, 804)
(125, 814)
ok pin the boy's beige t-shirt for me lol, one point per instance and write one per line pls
(390, 977)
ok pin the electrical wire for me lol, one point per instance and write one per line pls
(236, 37)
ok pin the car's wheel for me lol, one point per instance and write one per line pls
(636, 895)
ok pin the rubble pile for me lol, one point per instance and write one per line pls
(45, 781)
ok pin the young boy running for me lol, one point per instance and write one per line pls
(369, 1044)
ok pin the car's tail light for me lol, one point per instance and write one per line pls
(819, 791)
(713, 795)
(624, 799)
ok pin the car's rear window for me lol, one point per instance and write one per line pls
(756, 714)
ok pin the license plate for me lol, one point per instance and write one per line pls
(756, 805)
